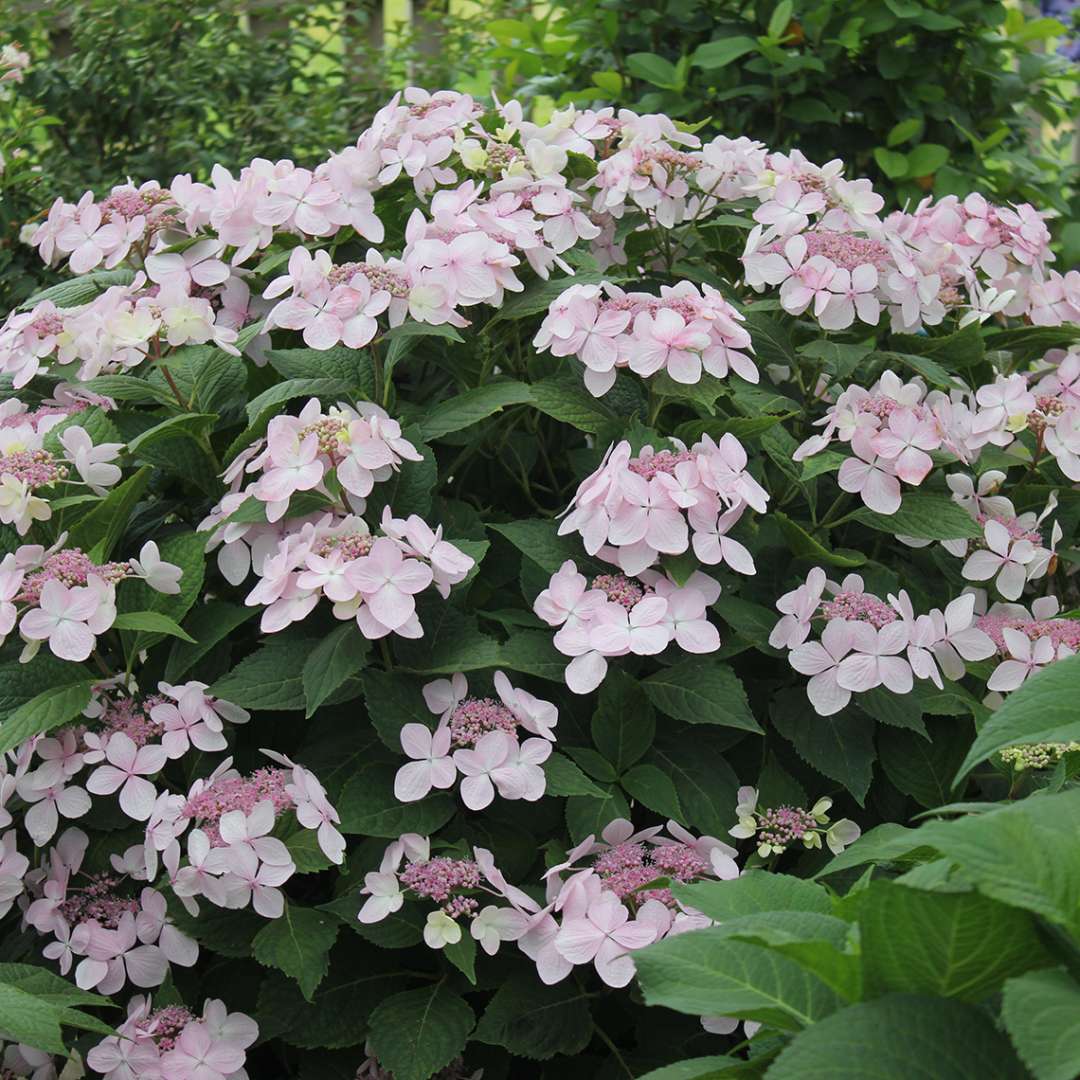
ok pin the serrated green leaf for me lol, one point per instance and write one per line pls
(43, 713)
(624, 723)
(1041, 1012)
(840, 747)
(924, 515)
(298, 943)
(342, 653)
(368, 806)
(565, 778)
(416, 1033)
(953, 945)
(566, 399)
(468, 408)
(706, 973)
(152, 622)
(100, 530)
(900, 1035)
(535, 1021)
(701, 691)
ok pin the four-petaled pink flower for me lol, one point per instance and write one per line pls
(126, 769)
(431, 764)
(604, 934)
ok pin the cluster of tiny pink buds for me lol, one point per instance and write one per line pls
(620, 589)
(686, 332)
(475, 717)
(34, 468)
(627, 868)
(441, 879)
(775, 829)
(69, 566)
(234, 792)
(99, 900)
(860, 606)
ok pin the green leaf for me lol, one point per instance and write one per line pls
(840, 747)
(468, 408)
(539, 296)
(337, 1015)
(904, 130)
(755, 891)
(418, 1032)
(703, 1068)
(80, 290)
(652, 788)
(704, 782)
(805, 546)
(896, 710)
(129, 388)
(653, 69)
(43, 713)
(463, 955)
(540, 541)
(187, 425)
(270, 678)
(721, 52)
(532, 652)
(392, 702)
(826, 462)
(298, 944)
(535, 1021)
(565, 398)
(186, 550)
(704, 972)
(772, 344)
(954, 945)
(893, 164)
(924, 516)
(565, 778)
(900, 1035)
(403, 339)
(351, 366)
(29, 1019)
(281, 392)
(1041, 1011)
(701, 691)
(922, 768)
(926, 159)
(343, 652)
(152, 622)
(1042, 710)
(624, 723)
(1003, 853)
(452, 642)
(100, 530)
(586, 815)
(368, 806)
(208, 624)
(929, 369)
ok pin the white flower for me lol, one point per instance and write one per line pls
(441, 930)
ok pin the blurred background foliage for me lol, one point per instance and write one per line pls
(924, 96)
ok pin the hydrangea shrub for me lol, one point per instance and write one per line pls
(515, 598)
